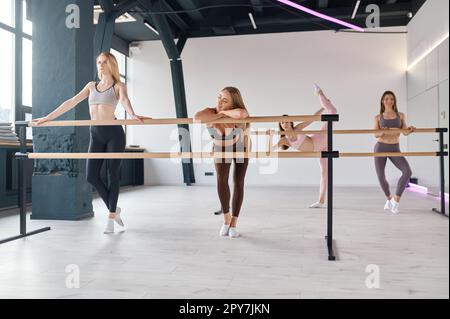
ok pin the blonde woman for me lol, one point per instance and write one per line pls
(103, 98)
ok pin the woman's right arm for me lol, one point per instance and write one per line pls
(65, 106)
(376, 126)
(208, 115)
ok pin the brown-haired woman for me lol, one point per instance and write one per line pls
(103, 99)
(391, 118)
(229, 138)
(310, 143)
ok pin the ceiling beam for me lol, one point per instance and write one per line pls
(146, 6)
(321, 4)
(107, 5)
(257, 7)
(399, 10)
(180, 23)
(191, 5)
(124, 6)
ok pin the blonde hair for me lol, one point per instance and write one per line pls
(112, 64)
(238, 103)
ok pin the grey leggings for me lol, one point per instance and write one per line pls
(400, 162)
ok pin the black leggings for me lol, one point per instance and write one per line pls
(109, 139)
(223, 189)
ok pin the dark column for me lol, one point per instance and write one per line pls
(173, 52)
(62, 66)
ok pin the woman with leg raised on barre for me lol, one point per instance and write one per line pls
(229, 138)
(103, 99)
(309, 143)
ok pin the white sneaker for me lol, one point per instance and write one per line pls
(317, 88)
(388, 205)
(233, 232)
(224, 230)
(109, 226)
(317, 205)
(394, 206)
(118, 219)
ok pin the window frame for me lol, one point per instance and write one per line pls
(19, 110)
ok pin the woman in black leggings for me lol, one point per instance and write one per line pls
(229, 138)
(103, 99)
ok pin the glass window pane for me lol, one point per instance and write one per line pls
(7, 12)
(27, 72)
(7, 76)
(120, 60)
(26, 24)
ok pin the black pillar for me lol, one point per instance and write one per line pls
(176, 66)
(104, 33)
(62, 66)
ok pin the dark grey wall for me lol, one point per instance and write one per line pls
(63, 63)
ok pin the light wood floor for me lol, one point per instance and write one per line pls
(171, 248)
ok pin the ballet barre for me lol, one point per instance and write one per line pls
(330, 154)
(342, 132)
(220, 155)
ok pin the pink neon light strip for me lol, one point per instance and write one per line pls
(320, 15)
(424, 190)
(418, 188)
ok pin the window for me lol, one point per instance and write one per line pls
(26, 72)
(7, 12)
(7, 76)
(27, 26)
(121, 60)
(15, 60)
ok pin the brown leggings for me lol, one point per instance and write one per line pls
(223, 189)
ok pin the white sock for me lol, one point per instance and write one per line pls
(109, 226)
(394, 207)
(224, 230)
(317, 205)
(388, 205)
(317, 88)
(233, 232)
(118, 219)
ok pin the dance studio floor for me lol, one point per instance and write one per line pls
(171, 249)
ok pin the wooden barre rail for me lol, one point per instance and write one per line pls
(174, 155)
(216, 155)
(259, 119)
(389, 154)
(369, 131)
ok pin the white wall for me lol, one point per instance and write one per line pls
(275, 73)
(427, 85)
